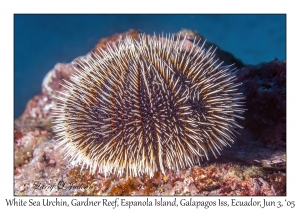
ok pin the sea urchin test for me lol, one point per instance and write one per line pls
(146, 105)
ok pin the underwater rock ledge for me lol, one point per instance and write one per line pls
(254, 165)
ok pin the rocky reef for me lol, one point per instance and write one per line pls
(254, 165)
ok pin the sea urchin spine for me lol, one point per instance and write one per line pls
(146, 105)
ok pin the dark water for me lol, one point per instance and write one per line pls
(41, 41)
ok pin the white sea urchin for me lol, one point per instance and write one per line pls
(145, 105)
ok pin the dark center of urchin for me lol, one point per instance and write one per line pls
(148, 105)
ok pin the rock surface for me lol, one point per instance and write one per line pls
(254, 165)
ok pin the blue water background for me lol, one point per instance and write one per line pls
(41, 41)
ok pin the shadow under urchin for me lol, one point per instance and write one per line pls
(145, 105)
